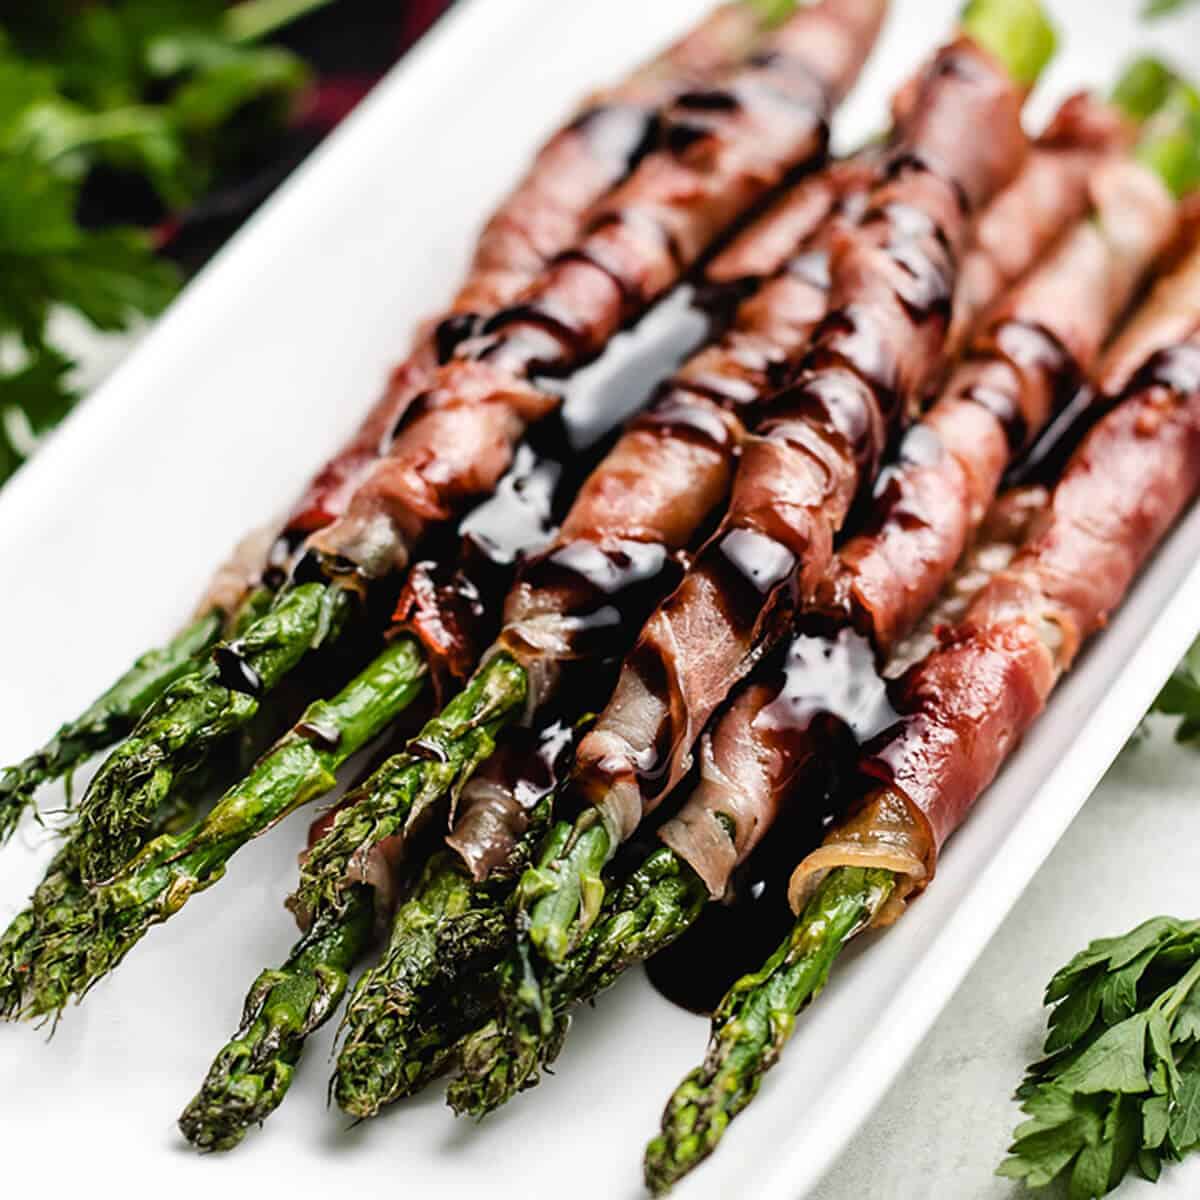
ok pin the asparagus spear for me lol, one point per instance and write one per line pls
(116, 711)
(62, 888)
(653, 907)
(75, 945)
(106, 719)
(432, 986)
(756, 1018)
(181, 730)
(438, 760)
(253, 1072)
(435, 981)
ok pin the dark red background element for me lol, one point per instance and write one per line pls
(350, 44)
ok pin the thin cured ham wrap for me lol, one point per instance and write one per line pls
(818, 442)
(959, 711)
(965, 706)
(771, 328)
(762, 248)
(671, 470)
(741, 139)
(538, 220)
(541, 217)
(801, 716)
(575, 168)
(719, 150)
(1051, 191)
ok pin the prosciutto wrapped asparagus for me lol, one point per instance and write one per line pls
(821, 691)
(1038, 346)
(572, 610)
(71, 935)
(541, 217)
(613, 558)
(494, 810)
(817, 443)
(770, 329)
(453, 446)
(963, 708)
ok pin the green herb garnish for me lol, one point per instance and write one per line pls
(1120, 1084)
(169, 92)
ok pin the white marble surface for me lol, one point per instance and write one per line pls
(943, 1127)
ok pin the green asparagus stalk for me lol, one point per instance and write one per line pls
(1143, 87)
(438, 761)
(109, 717)
(1169, 144)
(432, 986)
(653, 907)
(60, 887)
(397, 1019)
(61, 890)
(251, 1075)
(183, 728)
(115, 713)
(435, 981)
(756, 1018)
(76, 945)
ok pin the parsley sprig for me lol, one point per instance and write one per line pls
(1180, 697)
(167, 91)
(1120, 1084)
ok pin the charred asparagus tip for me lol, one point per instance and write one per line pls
(80, 941)
(755, 1020)
(183, 728)
(431, 987)
(109, 717)
(252, 1073)
(1018, 32)
(495, 1068)
(649, 911)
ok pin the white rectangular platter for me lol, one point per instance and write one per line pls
(260, 368)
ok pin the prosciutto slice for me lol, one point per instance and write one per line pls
(820, 440)
(964, 707)
(1051, 191)
(719, 150)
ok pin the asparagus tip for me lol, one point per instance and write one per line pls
(497, 1063)
(1142, 87)
(1018, 32)
(1169, 144)
(17, 787)
(251, 1075)
(232, 1099)
(755, 1020)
